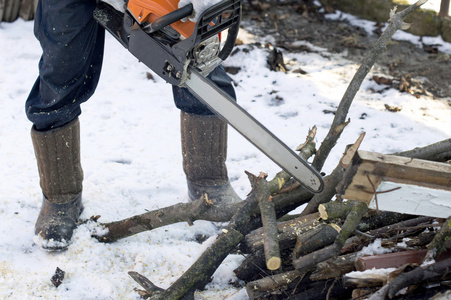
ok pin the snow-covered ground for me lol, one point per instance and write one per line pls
(132, 161)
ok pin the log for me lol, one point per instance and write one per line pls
(421, 240)
(258, 288)
(432, 272)
(305, 263)
(367, 281)
(269, 221)
(334, 267)
(319, 237)
(252, 266)
(287, 233)
(335, 210)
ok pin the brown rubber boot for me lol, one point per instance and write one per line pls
(58, 157)
(204, 149)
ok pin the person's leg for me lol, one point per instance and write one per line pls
(204, 144)
(69, 70)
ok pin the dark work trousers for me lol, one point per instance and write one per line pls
(72, 43)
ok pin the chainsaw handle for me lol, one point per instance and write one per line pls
(230, 42)
(171, 17)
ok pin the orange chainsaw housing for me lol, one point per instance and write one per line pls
(151, 10)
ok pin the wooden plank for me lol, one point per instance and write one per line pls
(390, 260)
(425, 186)
(410, 170)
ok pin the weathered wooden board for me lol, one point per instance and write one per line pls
(399, 184)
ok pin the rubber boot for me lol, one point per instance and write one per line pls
(58, 157)
(204, 149)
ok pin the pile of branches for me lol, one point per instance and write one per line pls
(321, 254)
(309, 256)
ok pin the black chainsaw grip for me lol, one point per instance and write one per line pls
(230, 42)
(171, 17)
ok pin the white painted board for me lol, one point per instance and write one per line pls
(413, 199)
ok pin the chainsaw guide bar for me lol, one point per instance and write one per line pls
(185, 61)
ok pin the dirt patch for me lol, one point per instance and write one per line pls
(425, 70)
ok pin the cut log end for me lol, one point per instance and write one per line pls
(273, 263)
(322, 212)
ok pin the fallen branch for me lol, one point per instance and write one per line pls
(439, 151)
(433, 272)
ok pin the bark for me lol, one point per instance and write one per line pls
(334, 267)
(334, 210)
(319, 237)
(262, 287)
(439, 151)
(433, 272)
(251, 267)
(201, 209)
(269, 221)
(421, 240)
(287, 233)
(339, 122)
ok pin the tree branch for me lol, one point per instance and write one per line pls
(339, 122)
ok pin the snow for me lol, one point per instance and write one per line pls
(132, 161)
(199, 6)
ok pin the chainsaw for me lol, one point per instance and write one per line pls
(183, 52)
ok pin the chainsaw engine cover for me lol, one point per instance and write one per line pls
(150, 10)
